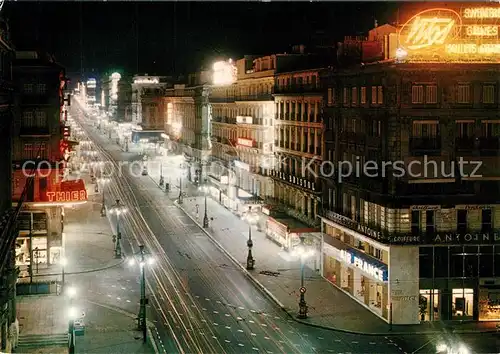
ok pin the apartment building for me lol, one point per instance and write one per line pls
(413, 236)
(139, 84)
(40, 147)
(243, 135)
(187, 125)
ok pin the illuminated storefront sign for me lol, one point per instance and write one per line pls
(147, 81)
(70, 197)
(368, 268)
(245, 142)
(444, 34)
(224, 73)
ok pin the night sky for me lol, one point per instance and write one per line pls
(180, 37)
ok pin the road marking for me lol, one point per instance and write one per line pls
(253, 334)
(240, 330)
(267, 338)
(239, 318)
(118, 298)
(128, 300)
(207, 299)
(228, 315)
(227, 341)
(216, 324)
(241, 308)
(256, 349)
(214, 337)
(203, 320)
(263, 325)
(204, 309)
(216, 311)
(228, 327)
(241, 345)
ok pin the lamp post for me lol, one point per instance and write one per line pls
(103, 181)
(180, 185)
(118, 209)
(64, 262)
(72, 316)
(162, 181)
(303, 253)
(250, 260)
(144, 258)
(204, 189)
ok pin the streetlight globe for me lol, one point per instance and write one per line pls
(71, 291)
(64, 262)
(72, 313)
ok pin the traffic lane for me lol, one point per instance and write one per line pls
(233, 275)
(337, 341)
(475, 343)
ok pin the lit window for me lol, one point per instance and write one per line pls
(489, 94)
(374, 94)
(27, 120)
(330, 96)
(42, 89)
(28, 88)
(354, 95)
(431, 94)
(463, 94)
(363, 95)
(417, 94)
(380, 95)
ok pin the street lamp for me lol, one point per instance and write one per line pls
(251, 218)
(204, 189)
(144, 259)
(103, 181)
(72, 316)
(162, 181)
(304, 253)
(180, 183)
(63, 262)
(118, 209)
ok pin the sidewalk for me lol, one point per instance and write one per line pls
(328, 306)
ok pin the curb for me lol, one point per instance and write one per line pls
(293, 317)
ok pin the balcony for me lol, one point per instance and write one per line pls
(34, 132)
(425, 146)
(257, 97)
(225, 120)
(297, 89)
(489, 146)
(225, 99)
(464, 144)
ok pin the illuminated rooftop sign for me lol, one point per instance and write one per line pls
(446, 35)
(147, 81)
(224, 73)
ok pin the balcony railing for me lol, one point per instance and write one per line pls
(227, 120)
(464, 143)
(489, 146)
(300, 89)
(425, 146)
(257, 97)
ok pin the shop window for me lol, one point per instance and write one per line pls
(425, 262)
(486, 225)
(429, 305)
(456, 262)
(430, 222)
(461, 221)
(441, 259)
(486, 261)
(415, 222)
(489, 303)
(462, 302)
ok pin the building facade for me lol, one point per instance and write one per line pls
(187, 127)
(9, 329)
(243, 135)
(39, 150)
(139, 84)
(299, 143)
(410, 231)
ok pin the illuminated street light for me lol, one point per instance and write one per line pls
(71, 292)
(144, 259)
(204, 189)
(118, 209)
(104, 181)
(304, 253)
(251, 219)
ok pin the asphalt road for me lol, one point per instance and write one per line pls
(201, 301)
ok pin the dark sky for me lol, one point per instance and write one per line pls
(180, 37)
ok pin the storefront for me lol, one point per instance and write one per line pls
(361, 276)
(286, 231)
(489, 299)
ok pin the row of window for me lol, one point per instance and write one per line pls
(462, 225)
(355, 96)
(428, 94)
(310, 79)
(39, 89)
(34, 119)
(430, 129)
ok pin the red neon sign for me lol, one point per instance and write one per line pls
(65, 197)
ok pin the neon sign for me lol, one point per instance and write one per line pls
(443, 34)
(67, 197)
